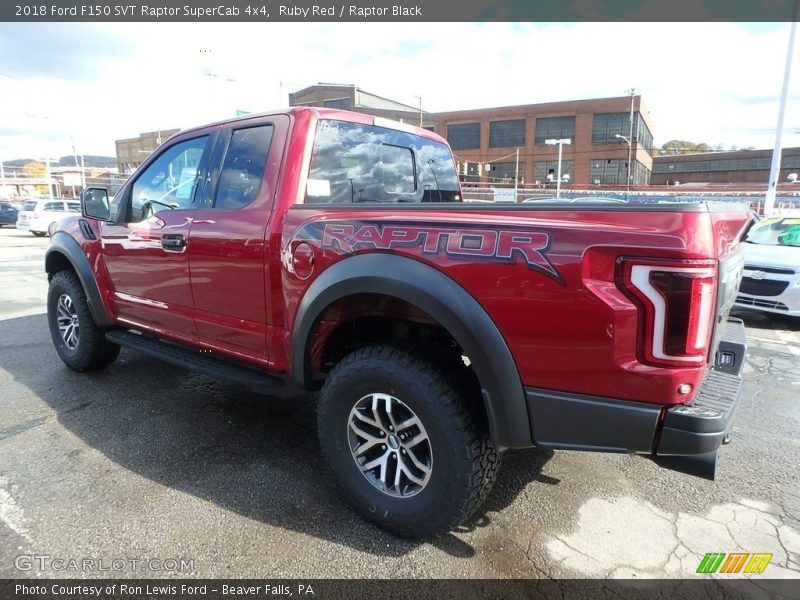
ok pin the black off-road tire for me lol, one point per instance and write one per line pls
(464, 462)
(39, 233)
(91, 349)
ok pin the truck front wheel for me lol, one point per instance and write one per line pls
(78, 341)
(408, 452)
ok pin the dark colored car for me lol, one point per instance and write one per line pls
(8, 214)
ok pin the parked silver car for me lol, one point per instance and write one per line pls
(38, 216)
(771, 280)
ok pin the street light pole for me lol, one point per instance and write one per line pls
(775, 167)
(629, 142)
(560, 143)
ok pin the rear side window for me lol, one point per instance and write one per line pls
(353, 163)
(29, 205)
(73, 207)
(243, 167)
(54, 207)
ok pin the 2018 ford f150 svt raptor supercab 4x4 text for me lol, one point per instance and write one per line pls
(331, 250)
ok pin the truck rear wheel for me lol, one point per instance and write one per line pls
(78, 341)
(408, 452)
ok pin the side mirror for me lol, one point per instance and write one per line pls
(95, 204)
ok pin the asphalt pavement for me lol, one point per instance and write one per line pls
(152, 471)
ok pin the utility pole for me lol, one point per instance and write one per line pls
(630, 141)
(516, 177)
(420, 108)
(49, 176)
(77, 166)
(775, 168)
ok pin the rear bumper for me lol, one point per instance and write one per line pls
(684, 437)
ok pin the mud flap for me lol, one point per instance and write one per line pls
(699, 465)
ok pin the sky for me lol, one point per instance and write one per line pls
(717, 83)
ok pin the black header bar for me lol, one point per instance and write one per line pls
(326, 11)
(391, 589)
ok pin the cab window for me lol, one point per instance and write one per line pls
(352, 162)
(243, 168)
(168, 183)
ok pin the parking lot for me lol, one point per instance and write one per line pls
(174, 474)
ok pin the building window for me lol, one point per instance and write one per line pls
(641, 133)
(465, 136)
(343, 103)
(790, 162)
(507, 134)
(608, 171)
(606, 126)
(498, 172)
(547, 170)
(641, 174)
(557, 128)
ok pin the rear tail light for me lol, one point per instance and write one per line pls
(36, 215)
(676, 302)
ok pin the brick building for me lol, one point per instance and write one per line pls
(132, 152)
(740, 166)
(596, 156)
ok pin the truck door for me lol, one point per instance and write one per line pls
(145, 250)
(229, 241)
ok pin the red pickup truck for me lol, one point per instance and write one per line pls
(331, 250)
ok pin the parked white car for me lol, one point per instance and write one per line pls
(38, 215)
(771, 279)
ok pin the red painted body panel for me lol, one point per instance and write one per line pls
(568, 325)
(149, 284)
(576, 335)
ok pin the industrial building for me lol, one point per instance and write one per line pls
(597, 154)
(350, 97)
(132, 152)
(740, 166)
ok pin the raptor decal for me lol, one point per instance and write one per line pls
(497, 244)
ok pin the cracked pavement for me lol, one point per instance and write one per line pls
(143, 460)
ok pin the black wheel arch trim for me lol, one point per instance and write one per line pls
(65, 245)
(446, 301)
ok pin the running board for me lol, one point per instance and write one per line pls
(194, 360)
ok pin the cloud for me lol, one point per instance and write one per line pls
(100, 83)
(78, 51)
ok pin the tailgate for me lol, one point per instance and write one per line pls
(729, 227)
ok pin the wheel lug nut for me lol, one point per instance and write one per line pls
(391, 428)
(383, 447)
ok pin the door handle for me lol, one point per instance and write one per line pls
(174, 241)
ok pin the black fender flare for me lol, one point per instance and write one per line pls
(446, 301)
(66, 246)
